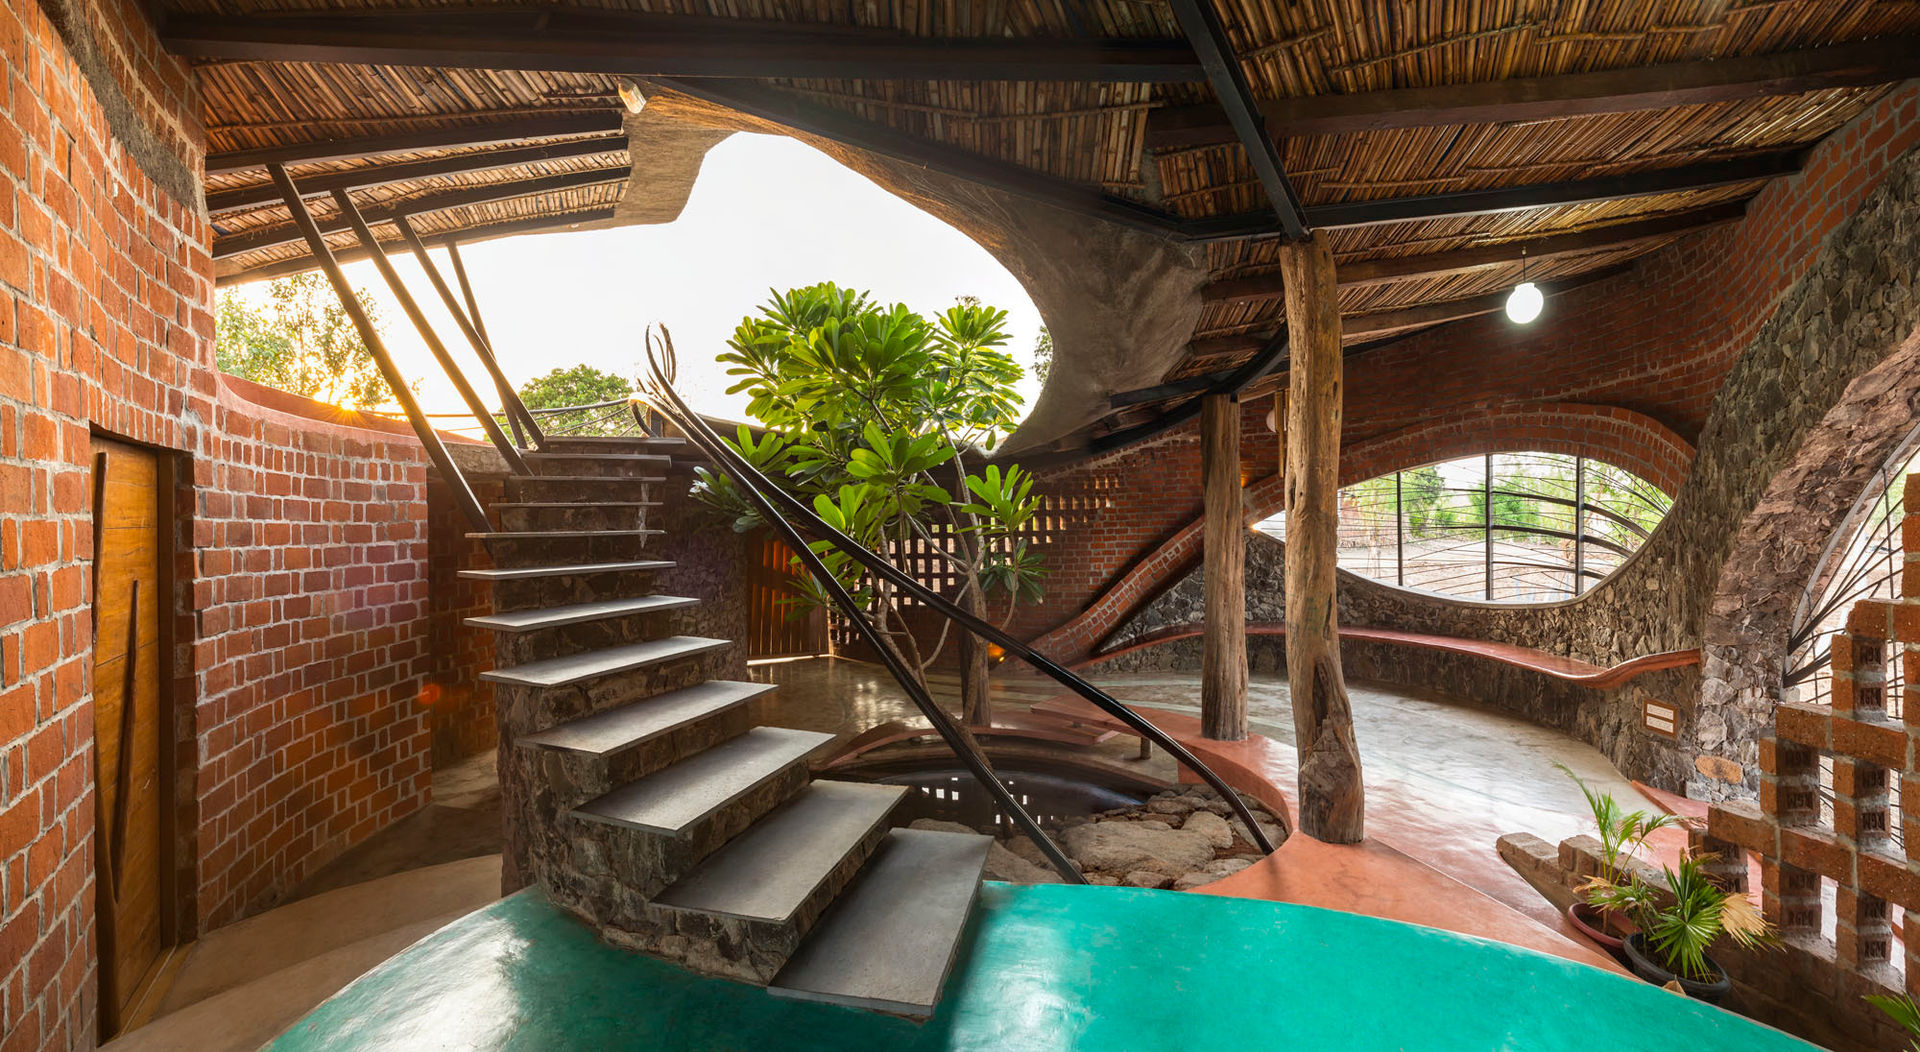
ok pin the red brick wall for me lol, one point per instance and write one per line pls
(1623, 370)
(302, 574)
(460, 707)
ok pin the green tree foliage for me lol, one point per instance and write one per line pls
(301, 341)
(580, 385)
(1043, 355)
(868, 412)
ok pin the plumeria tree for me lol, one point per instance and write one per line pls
(871, 414)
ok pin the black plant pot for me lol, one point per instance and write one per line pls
(1647, 967)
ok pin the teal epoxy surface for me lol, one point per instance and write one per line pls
(1047, 967)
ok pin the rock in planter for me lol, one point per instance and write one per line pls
(1212, 826)
(1145, 878)
(1225, 867)
(1122, 847)
(1169, 805)
(1003, 864)
(1105, 880)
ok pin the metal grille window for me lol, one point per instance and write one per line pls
(1863, 562)
(1501, 527)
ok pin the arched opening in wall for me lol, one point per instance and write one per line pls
(1864, 560)
(1514, 527)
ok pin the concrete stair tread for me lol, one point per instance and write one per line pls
(537, 535)
(517, 504)
(615, 729)
(555, 616)
(672, 800)
(597, 455)
(520, 573)
(596, 479)
(889, 941)
(573, 668)
(664, 441)
(768, 872)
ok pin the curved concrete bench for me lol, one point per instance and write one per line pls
(1571, 670)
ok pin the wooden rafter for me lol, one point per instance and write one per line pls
(653, 45)
(1544, 98)
(531, 225)
(1436, 264)
(287, 233)
(441, 137)
(1512, 198)
(246, 197)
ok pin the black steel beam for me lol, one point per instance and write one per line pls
(247, 197)
(655, 45)
(268, 237)
(1209, 39)
(439, 137)
(1704, 176)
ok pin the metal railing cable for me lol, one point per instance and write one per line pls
(764, 493)
(957, 739)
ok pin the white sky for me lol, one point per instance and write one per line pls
(767, 213)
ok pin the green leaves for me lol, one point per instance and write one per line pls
(1904, 1013)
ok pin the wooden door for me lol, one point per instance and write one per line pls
(772, 628)
(129, 606)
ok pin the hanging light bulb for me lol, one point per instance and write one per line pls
(1526, 300)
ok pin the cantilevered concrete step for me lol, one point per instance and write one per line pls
(890, 940)
(532, 505)
(672, 801)
(771, 870)
(544, 535)
(614, 730)
(522, 573)
(590, 443)
(610, 457)
(557, 616)
(576, 668)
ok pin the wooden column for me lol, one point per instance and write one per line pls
(1332, 801)
(1223, 659)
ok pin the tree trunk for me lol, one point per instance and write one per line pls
(1332, 799)
(975, 705)
(1223, 657)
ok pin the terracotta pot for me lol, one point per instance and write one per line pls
(1646, 966)
(1606, 928)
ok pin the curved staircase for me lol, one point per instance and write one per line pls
(644, 797)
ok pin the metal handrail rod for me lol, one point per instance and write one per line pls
(509, 398)
(693, 425)
(358, 223)
(942, 723)
(429, 438)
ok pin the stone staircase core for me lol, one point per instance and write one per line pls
(642, 794)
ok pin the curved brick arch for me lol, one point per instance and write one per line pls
(1618, 436)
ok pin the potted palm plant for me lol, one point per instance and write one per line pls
(1677, 920)
(1621, 833)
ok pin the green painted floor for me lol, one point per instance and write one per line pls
(1047, 967)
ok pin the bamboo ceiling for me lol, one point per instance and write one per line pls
(1095, 135)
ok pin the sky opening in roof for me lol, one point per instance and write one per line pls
(767, 212)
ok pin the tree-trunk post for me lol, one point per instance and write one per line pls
(1332, 799)
(976, 705)
(1223, 659)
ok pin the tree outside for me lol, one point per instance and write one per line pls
(300, 341)
(870, 413)
(581, 385)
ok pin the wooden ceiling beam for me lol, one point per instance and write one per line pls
(1201, 24)
(1704, 176)
(1546, 98)
(270, 237)
(530, 225)
(471, 133)
(1437, 264)
(654, 45)
(248, 197)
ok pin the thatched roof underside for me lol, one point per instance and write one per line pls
(1110, 140)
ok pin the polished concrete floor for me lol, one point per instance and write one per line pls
(1445, 778)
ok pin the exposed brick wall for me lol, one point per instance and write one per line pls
(301, 571)
(460, 707)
